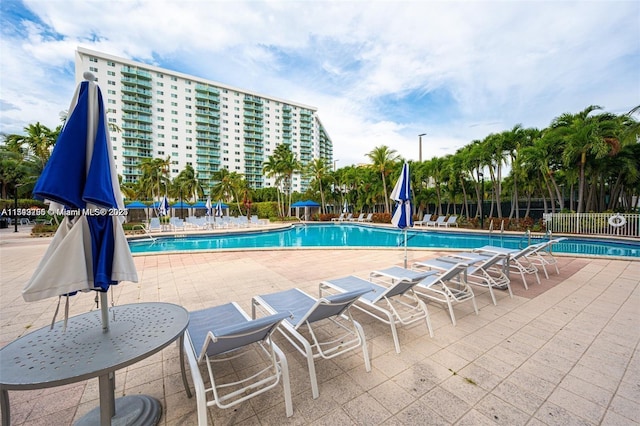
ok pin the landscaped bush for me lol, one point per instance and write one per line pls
(381, 218)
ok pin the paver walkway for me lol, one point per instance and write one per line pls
(563, 352)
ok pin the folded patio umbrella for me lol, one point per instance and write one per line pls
(89, 250)
(403, 214)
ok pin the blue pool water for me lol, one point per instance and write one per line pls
(346, 235)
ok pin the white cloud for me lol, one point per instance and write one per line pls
(380, 72)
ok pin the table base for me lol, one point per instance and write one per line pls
(138, 410)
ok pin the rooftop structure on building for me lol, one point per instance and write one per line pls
(162, 113)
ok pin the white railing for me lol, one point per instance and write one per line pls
(616, 224)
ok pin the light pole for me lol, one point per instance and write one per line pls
(420, 146)
(15, 206)
(481, 175)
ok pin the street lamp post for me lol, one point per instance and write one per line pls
(481, 199)
(420, 146)
(15, 207)
(181, 206)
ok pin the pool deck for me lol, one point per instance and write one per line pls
(563, 352)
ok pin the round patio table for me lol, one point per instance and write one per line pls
(48, 358)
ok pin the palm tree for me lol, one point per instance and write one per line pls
(319, 170)
(38, 141)
(187, 183)
(584, 135)
(282, 164)
(154, 182)
(229, 186)
(383, 159)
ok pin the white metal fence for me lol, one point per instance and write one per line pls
(615, 224)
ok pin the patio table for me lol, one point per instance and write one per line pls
(48, 358)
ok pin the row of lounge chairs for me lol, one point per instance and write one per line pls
(202, 223)
(395, 296)
(344, 217)
(440, 221)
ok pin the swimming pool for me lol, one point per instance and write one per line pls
(352, 235)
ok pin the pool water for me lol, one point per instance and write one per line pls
(347, 235)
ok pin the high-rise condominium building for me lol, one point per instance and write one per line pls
(193, 121)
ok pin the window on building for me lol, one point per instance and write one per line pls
(92, 59)
(111, 83)
(160, 152)
(173, 87)
(111, 64)
(159, 92)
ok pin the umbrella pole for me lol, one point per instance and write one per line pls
(405, 249)
(104, 308)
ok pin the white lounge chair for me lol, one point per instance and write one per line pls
(426, 218)
(394, 305)
(483, 270)
(225, 333)
(516, 259)
(154, 225)
(358, 219)
(436, 222)
(451, 221)
(177, 224)
(339, 218)
(449, 286)
(542, 255)
(305, 311)
(368, 218)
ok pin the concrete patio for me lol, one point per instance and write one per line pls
(563, 352)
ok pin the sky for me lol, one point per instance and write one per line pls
(379, 72)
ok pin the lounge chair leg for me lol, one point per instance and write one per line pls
(365, 350)
(286, 384)
(451, 314)
(427, 317)
(394, 332)
(312, 370)
(182, 369)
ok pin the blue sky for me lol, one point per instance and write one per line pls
(379, 72)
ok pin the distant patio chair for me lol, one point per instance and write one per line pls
(338, 219)
(358, 219)
(451, 221)
(426, 218)
(436, 222)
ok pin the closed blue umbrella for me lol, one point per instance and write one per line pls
(89, 250)
(403, 214)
